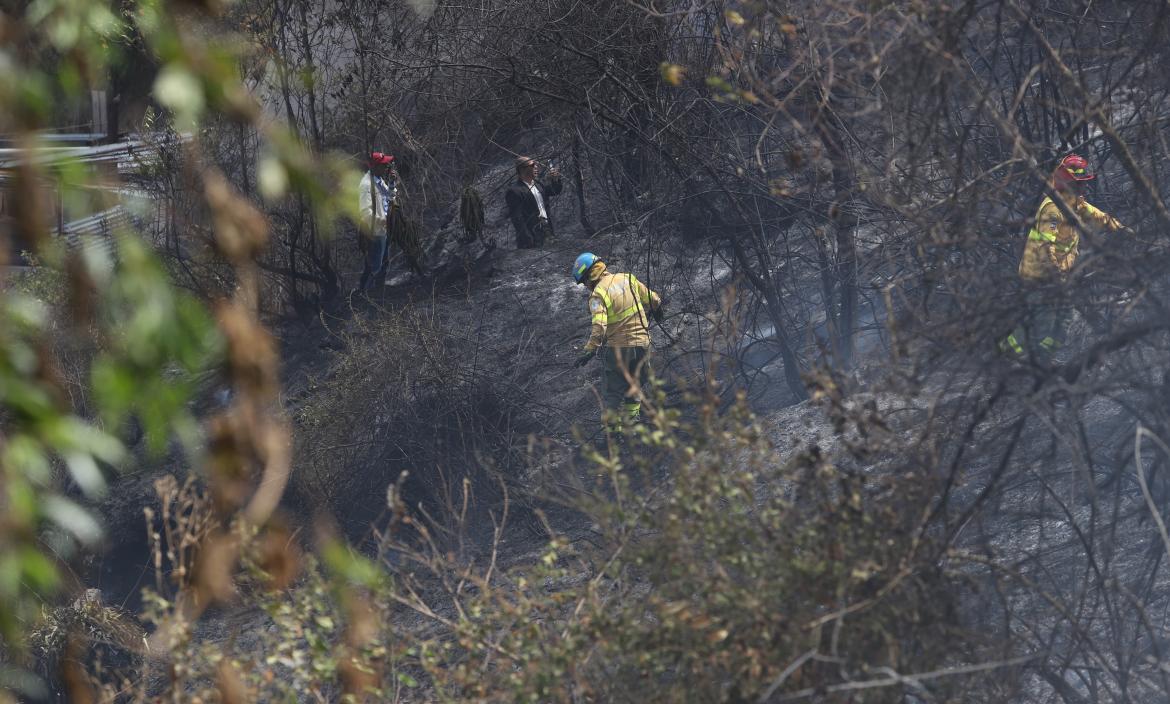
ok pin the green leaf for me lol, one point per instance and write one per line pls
(39, 10)
(352, 567)
(22, 503)
(25, 455)
(272, 178)
(33, 95)
(84, 437)
(113, 389)
(11, 570)
(103, 22)
(98, 264)
(65, 31)
(26, 312)
(39, 571)
(178, 89)
(74, 519)
(85, 472)
(27, 400)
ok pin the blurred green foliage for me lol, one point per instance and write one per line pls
(142, 344)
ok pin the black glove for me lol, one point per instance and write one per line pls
(658, 313)
(585, 358)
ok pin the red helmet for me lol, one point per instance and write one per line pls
(1072, 168)
(380, 158)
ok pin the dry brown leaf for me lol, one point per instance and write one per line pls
(279, 556)
(214, 571)
(230, 685)
(241, 230)
(252, 355)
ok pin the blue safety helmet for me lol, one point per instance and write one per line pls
(581, 266)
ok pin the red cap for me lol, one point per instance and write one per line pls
(1072, 168)
(380, 158)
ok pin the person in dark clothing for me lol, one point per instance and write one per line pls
(528, 203)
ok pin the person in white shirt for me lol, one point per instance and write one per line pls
(528, 203)
(377, 196)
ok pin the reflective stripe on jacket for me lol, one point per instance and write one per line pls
(619, 308)
(1054, 243)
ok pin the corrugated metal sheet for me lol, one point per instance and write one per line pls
(127, 158)
(128, 155)
(97, 230)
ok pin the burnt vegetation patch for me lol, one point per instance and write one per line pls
(402, 407)
(912, 437)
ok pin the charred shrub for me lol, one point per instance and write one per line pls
(404, 401)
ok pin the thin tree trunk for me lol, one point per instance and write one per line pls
(314, 126)
(246, 177)
(582, 214)
(841, 308)
(766, 286)
(290, 114)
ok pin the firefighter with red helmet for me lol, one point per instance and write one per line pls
(1054, 241)
(1050, 252)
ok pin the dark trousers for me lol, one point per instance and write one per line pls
(1050, 317)
(1045, 323)
(624, 370)
(374, 265)
(536, 236)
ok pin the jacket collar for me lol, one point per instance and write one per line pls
(596, 273)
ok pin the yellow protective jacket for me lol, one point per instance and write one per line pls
(619, 308)
(1053, 242)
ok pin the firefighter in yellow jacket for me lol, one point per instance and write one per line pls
(1050, 252)
(618, 308)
